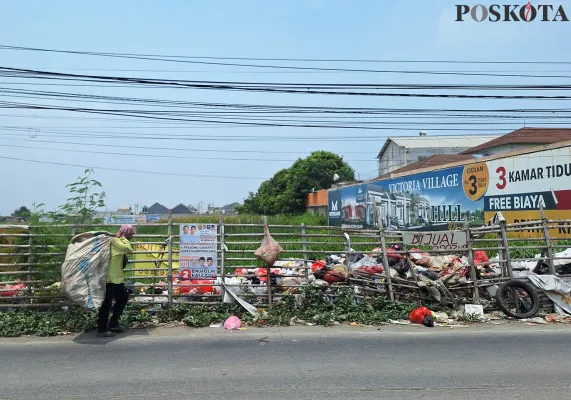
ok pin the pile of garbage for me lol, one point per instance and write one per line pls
(288, 276)
(12, 290)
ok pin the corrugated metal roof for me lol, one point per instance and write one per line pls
(419, 142)
(425, 142)
(432, 161)
(525, 135)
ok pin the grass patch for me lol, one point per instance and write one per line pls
(313, 307)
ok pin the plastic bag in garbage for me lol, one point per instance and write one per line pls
(422, 316)
(270, 250)
(12, 290)
(419, 257)
(366, 261)
(481, 258)
(367, 265)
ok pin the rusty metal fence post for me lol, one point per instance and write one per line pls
(30, 261)
(222, 246)
(473, 275)
(170, 271)
(383, 242)
(504, 246)
(548, 245)
(304, 248)
(268, 273)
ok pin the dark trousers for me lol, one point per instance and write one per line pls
(117, 292)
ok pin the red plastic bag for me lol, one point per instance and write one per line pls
(191, 287)
(15, 290)
(270, 250)
(317, 265)
(371, 269)
(391, 253)
(480, 258)
(417, 316)
(203, 289)
(419, 257)
(336, 275)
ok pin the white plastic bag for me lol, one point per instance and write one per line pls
(84, 271)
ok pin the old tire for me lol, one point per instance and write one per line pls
(525, 306)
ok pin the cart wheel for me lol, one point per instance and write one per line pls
(517, 299)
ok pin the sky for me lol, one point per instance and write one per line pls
(212, 163)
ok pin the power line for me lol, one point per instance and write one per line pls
(198, 71)
(22, 48)
(131, 170)
(239, 138)
(169, 148)
(224, 85)
(171, 156)
(195, 60)
(289, 88)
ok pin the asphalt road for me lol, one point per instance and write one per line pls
(489, 362)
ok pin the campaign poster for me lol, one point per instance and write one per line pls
(198, 257)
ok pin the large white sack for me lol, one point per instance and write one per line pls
(84, 271)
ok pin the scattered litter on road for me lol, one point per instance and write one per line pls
(535, 320)
(394, 322)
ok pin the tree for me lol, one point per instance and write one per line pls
(85, 198)
(145, 209)
(286, 191)
(22, 212)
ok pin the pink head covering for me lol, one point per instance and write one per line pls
(126, 230)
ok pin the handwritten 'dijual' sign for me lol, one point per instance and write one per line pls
(444, 240)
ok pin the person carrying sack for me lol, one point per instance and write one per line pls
(115, 288)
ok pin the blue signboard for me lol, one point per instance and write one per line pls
(427, 201)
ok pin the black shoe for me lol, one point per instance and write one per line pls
(117, 329)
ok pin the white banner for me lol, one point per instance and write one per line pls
(441, 240)
(542, 171)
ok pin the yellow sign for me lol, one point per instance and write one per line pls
(514, 217)
(158, 261)
(475, 180)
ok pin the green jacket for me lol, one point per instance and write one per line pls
(119, 248)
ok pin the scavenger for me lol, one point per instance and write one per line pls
(115, 288)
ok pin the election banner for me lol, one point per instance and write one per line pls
(198, 251)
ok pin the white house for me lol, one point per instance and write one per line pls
(403, 150)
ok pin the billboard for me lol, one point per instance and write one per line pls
(520, 185)
(125, 219)
(440, 199)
